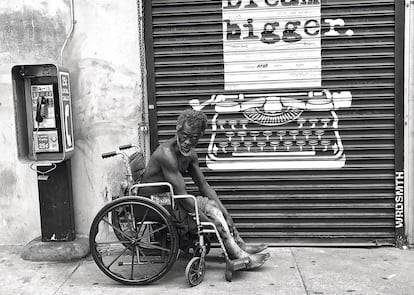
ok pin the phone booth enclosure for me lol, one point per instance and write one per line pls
(44, 133)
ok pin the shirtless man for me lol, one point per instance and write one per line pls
(175, 157)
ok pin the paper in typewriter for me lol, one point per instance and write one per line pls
(274, 113)
(271, 44)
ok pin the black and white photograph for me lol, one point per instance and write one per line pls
(249, 147)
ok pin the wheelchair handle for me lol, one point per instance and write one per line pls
(128, 146)
(108, 154)
(125, 146)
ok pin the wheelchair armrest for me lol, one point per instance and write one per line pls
(152, 184)
(197, 215)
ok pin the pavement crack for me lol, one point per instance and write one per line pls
(299, 272)
(69, 276)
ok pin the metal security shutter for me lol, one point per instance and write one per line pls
(353, 204)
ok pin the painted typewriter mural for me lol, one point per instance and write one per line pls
(274, 112)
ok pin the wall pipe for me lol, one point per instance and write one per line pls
(72, 26)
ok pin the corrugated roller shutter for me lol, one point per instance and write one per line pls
(348, 202)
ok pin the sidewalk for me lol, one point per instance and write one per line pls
(289, 271)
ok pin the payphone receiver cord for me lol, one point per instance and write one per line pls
(34, 142)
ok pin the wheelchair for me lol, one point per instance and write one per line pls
(135, 239)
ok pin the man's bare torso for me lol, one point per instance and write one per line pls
(167, 151)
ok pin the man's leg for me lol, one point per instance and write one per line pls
(252, 249)
(214, 213)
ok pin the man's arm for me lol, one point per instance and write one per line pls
(169, 166)
(204, 187)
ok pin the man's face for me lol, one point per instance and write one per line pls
(187, 138)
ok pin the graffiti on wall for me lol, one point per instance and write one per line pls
(399, 199)
(275, 46)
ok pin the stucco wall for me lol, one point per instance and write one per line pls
(30, 32)
(102, 57)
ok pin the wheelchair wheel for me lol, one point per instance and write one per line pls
(133, 240)
(195, 271)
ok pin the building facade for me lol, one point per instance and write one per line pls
(309, 104)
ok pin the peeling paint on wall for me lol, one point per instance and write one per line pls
(7, 187)
(107, 105)
(103, 59)
(28, 34)
(106, 117)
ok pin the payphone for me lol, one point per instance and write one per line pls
(44, 131)
(43, 113)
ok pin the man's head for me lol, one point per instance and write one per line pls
(191, 125)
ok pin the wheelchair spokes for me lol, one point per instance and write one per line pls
(133, 240)
(120, 233)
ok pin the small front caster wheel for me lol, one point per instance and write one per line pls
(229, 275)
(195, 271)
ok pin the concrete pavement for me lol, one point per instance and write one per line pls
(289, 271)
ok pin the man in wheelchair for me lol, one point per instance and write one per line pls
(175, 157)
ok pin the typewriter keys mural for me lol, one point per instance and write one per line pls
(279, 131)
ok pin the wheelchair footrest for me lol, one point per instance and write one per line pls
(234, 265)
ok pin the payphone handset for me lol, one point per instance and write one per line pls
(43, 113)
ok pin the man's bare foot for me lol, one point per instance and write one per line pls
(257, 260)
(252, 249)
